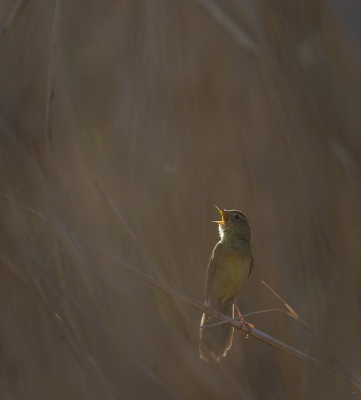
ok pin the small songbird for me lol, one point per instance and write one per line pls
(230, 266)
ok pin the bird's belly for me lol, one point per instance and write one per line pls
(231, 275)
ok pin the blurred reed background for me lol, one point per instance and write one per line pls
(162, 108)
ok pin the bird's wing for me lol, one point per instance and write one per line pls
(211, 266)
(250, 270)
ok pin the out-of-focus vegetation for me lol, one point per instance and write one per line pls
(161, 109)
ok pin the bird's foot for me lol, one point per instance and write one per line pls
(243, 322)
(248, 325)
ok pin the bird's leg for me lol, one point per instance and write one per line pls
(248, 325)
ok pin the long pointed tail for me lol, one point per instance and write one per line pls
(216, 340)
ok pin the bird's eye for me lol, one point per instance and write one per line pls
(237, 217)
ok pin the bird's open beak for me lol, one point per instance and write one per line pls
(225, 216)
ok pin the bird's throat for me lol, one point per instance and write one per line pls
(231, 236)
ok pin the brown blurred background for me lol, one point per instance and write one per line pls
(162, 108)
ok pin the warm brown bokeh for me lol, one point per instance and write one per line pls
(161, 109)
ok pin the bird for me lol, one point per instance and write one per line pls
(229, 268)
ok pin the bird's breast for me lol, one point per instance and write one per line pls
(230, 274)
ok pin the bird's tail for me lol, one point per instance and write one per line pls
(216, 340)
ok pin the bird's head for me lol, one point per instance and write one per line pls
(234, 224)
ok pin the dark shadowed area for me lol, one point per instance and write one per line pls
(122, 123)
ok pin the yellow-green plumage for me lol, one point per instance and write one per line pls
(232, 271)
(228, 270)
